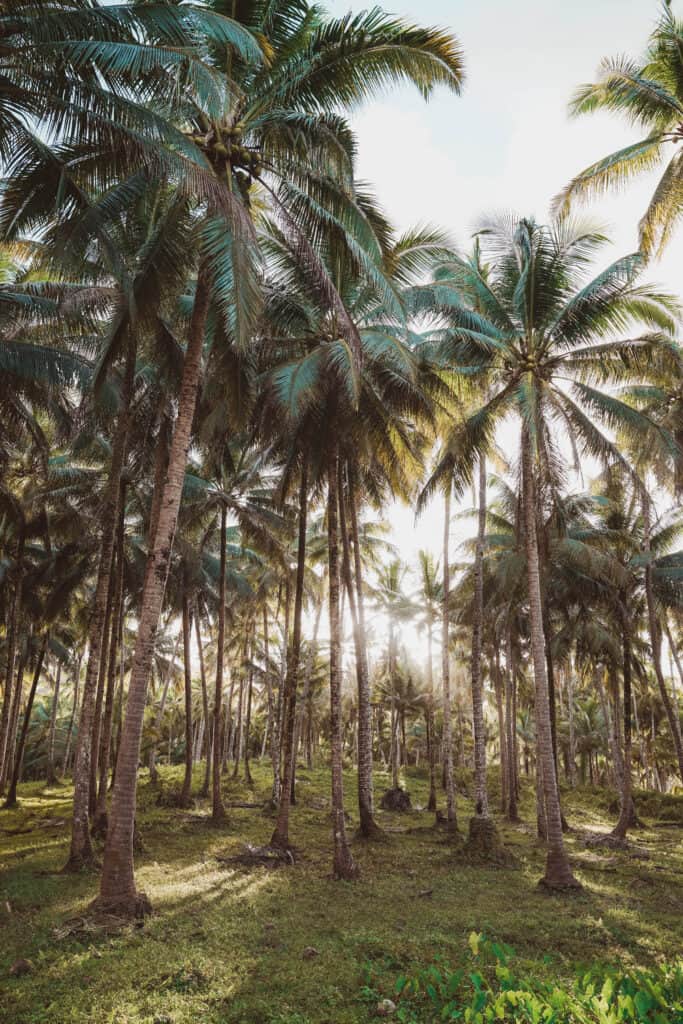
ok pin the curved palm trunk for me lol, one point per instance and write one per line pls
(186, 791)
(480, 788)
(451, 818)
(11, 800)
(81, 852)
(218, 808)
(557, 872)
(280, 836)
(51, 773)
(343, 865)
(117, 887)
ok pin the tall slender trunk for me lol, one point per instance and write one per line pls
(511, 719)
(502, 731)
(656, 645)
(480, 788)
(117, 888)
(343, 864)
(247, 723)
(51, 773)
(393, 747)
(626, 809)
(572, 730)
(11, 800)
(12, 633)
(204, 791)
(557, 872)
(218, 808)
(100, 818)
(280, 837)
(14, 710)
(368, 826)
(451, 818)
(108, 629)
(429, 716)
(237, 732)
(81, 850)
(72, 717)
(186, 791)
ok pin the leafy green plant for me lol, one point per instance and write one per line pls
(488, 989)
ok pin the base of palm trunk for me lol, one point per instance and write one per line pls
(484, 843)
(344, 867)
(82, 861)
(132, 906)
(396, 799)
(281, 842)
(558, 876)
(369, 829)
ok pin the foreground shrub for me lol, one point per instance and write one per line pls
(490, 989)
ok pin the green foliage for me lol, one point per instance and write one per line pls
(489, 988)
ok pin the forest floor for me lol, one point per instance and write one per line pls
(235, 945)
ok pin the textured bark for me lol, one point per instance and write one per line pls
(502, 732)
(186, 791)
(51, 773)
(247, 724)
(14, 713)
(557, 872)
(480, 788)
(81, 851)
(367, 824)
(280, 837)
(343, 863)
(217, 806)
(451, 818)
(117, 888)
(11, 800)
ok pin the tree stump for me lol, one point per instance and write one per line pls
(396, 800)
(484, 844)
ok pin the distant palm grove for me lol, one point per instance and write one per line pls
(221, 365)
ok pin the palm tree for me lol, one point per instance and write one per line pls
(648, 92)
(536, 340)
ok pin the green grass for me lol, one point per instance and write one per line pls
(226, 945)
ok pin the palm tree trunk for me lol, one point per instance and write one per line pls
(511, 716)
(117, 888)
(343, 865)
(451, 818)
(186, 791)
(51, 773)
(247, 725)
(368, 825)
(11, 800)
(557, 872)
(72, 718)
(238, 730)
(429, 717)
(100, 816)
(218, 808)
(13, 725)
(153, 774)
(12, 634)
(280, 836)
(480, 788)
(393, 747)
(204, 791)
(81, 850)
(108, 630)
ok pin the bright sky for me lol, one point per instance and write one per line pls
(507, 142)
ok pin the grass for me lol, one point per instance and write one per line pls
(226, 945)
